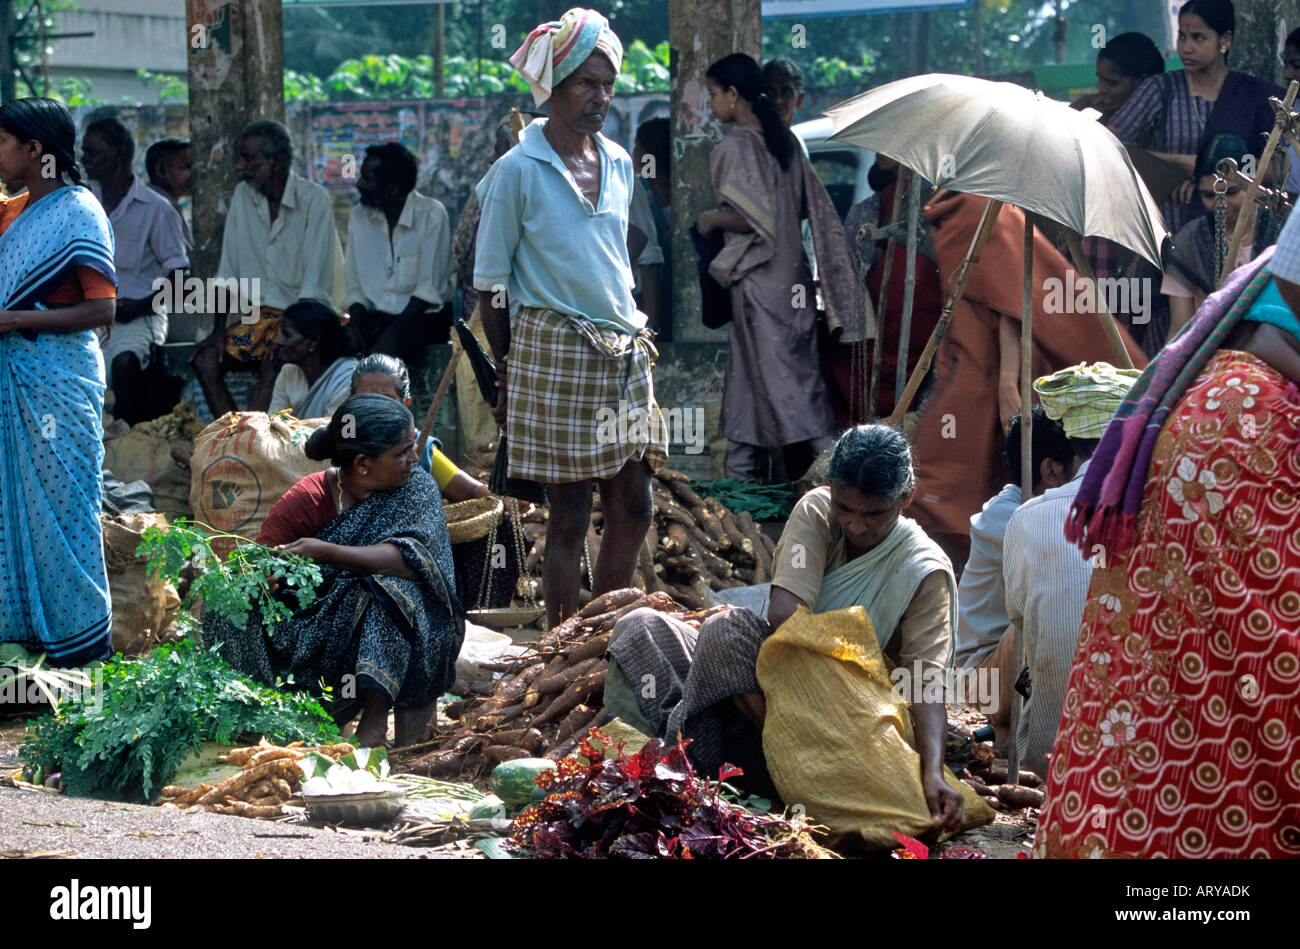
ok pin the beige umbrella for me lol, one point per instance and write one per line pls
(1003, 141)
(1015, 146)
(1012, 145)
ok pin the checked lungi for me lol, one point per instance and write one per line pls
(580, 399)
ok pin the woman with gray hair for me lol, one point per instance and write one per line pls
(387, 624)
(844, 545)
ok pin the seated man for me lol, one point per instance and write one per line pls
(1046, 576)
(167, 163)
(279, 232)
(844, 545)
(150, 245)
(984, 641)
(398, 268)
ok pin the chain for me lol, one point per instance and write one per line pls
(517, 530)
(1220, 223)
(485, 582)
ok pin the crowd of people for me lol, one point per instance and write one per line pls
(1149, 576)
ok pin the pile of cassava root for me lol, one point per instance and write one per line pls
(547, 700)
(268, 778)
(693, 546)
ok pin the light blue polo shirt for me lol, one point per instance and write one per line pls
(542, 240)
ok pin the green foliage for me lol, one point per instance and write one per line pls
(74, 91)
(301, 87)
(153, 712)
(170, 88)
(374, 77)
(237, 586)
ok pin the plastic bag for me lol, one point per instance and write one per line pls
(835, 738)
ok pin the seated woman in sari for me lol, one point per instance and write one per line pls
(1179, 735)
(844, 545)
(57, 284)
(309, 369)
(386, 626)
(387, 375)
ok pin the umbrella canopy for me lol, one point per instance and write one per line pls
(1003, 141)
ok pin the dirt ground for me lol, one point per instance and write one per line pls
(34, 823)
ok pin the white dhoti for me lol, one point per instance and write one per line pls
(137, 337)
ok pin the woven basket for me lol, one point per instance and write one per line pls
(472, 519)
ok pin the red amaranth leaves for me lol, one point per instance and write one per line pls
(650, 805)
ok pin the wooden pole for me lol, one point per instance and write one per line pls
(439, 42)
(873, 392)
(1239, 232)
(1026, 463)
(1108, 326)
(909, 285)
(981, 236)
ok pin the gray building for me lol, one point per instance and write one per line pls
(128, 35)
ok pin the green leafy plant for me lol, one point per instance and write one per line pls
(127, 744)
(247, 580)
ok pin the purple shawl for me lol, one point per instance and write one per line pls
(1105, 511)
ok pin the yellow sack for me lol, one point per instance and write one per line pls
(837, 741)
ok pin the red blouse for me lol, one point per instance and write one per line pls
(303, 510)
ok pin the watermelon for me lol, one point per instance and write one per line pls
(515, 781)
(488, 808)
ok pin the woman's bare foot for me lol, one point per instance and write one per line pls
(372, 730)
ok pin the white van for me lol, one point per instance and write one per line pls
(842, 168)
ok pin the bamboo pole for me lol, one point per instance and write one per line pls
(448, 374)
(1108, 325)
(1239, 232)
(873, 391)
(909, 285)
(978, 240)
(1026, 465)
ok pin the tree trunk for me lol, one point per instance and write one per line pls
(8, 64)
(1257, 42)
(699, 34)
(236, 75)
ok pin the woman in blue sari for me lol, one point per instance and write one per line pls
(386, 626)
(57, 284)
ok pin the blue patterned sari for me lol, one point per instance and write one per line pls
(54, 595)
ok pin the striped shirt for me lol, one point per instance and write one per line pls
(1286, 258)
(1047, 585)
(981, 597)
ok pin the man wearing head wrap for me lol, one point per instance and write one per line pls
(573, 356)
(1046, 576)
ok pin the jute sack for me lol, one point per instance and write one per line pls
(148, 453)
(143, 609)
(837, 741)
(242, 464)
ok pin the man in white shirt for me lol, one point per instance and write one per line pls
(150, 244)
(280, 231)
(1046, 576)
(167, 164)
(985, 638)
(398, 268)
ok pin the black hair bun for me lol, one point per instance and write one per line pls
(320, 445)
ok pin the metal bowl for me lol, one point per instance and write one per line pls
(369, 809)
